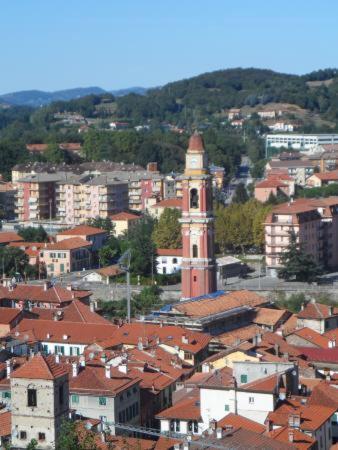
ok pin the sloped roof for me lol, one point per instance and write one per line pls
(301, 441)
(225, 302)
(169, 251)
(314, 310)
(110, 271)
(68, 244)
(5, 423)
(53, 294)
(312, 336)
(82, 230)
(269, 316)
(238, 421)
(169, 203)
(7, 315)
(9, 236)
(40, 368)
(188, 408)
(124, 216)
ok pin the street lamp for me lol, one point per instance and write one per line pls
(124, 264)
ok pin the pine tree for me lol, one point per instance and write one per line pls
(240, 195)
(167, 232)
(298, 265)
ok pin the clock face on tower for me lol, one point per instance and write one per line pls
(193, 162)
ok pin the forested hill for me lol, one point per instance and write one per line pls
(212, 92)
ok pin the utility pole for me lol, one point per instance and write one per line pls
(152, 269)
(124, 264)
(128, 295)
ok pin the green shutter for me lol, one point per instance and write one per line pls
(102, 401)
(244, 378)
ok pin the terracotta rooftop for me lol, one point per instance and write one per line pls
(269, 316)
(235, 337)
(312, 417)
(327, 355)
(38, 293)
(74, 312)
(196, 142)
(220, 378)
(328, 176)
(237, 421)
(169, 203)
(5, 423)
(224, 302)
(314, 310)
(188, 408)
(92, 380)
(271, 183)
(75, 332)
(82, 230)
(151, 335)
(110, 271)
(324, 394)
(68, 244)
(8, 236)
(312, 336)
(300, 440)
(40, 368)
(169, 251)
(8, 315)
(124, 216)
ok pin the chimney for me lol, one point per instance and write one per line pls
(46, 285)
(213, 424)
(57, 358)
(92, 307)
(206, 368)
(82, 361)
(140, 344)
(123, 368)
(276, 349)
(330, 310)
(290, 434)
(107, 371)
(185, 339)
(75, 369)
(268, 426)
(69, 287)
(104, 358)
(8, 368)
(302, 307)
(219, 433)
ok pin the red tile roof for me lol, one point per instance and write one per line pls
(269, 316)
(327, 176)
(169, 251)
(237, 421)
(92, 380)
(67, 244)
(37, 293)
(324, 394)
(40, 368)
(74, 312)
(154, 335)
(219, 378)
(8, 236)
(314, 310)
(82, 230)
(235, 337)
(328, 355)
(8, 315)
(268, 384)
(110, 271)
(196, 142)
(300, 440)
(188, 408)
(5, 423)
(312, 336)
(169, 203)
(225, 302)
(271, 183)
(76, 332)
(124, 216)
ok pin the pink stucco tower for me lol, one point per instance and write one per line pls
(198, 263)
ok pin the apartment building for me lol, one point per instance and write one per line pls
(298, 169)
(314, 221)
(300, 141)
(80, 198)
(35, 198)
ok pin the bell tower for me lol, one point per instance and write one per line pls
(198, 263)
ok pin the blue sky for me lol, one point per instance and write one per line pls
(113, 44)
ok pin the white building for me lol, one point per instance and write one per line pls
(300, 141)
(168, 260)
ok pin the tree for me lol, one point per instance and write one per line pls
(32, 445)
(71, 439)
(13, 261)
(31, 234)
(105, 224)
(143, 250)
(54, 154)
(167, 231)
(109, 252)
(298, 265)
(240, 196)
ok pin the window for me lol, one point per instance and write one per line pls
(194, 251)
(62, 268)
(251, 400)
(31, 397)
(244, 378)
(175, 425)
(75, 398)
(195, 278)
(42, 437)
(174, 260)
(164, 270)
(102, 401)
(45, 348)
(188, 355)
(23, 435)
(6, 395)
(193, 198)
(226, 408)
